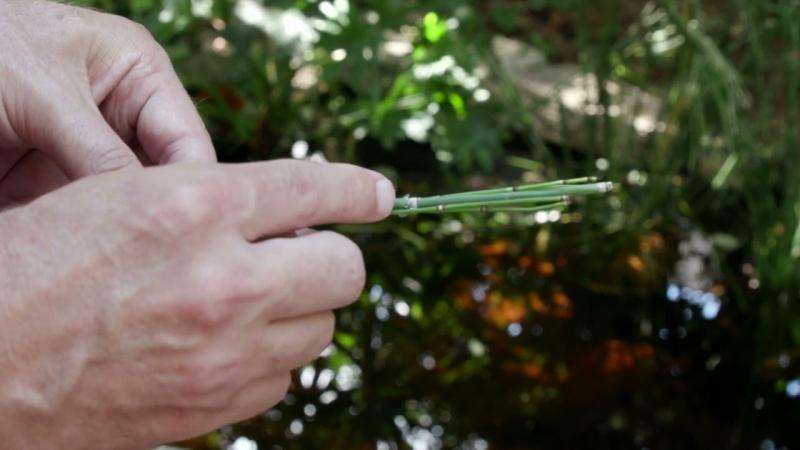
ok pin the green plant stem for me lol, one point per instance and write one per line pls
(502, 206)
(525, 198)
(530, 187)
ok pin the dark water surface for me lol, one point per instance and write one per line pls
(543, 331)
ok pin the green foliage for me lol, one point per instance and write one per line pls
(529, 330)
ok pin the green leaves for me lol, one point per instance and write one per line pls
(434, 28)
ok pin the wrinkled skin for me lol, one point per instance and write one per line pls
(83, 92)
(141, 305)
(160, 313)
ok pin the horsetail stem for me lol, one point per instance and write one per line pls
(532, 187)
(523, 198)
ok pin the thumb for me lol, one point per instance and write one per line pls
(78, 138)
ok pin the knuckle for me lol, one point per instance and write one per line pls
(322, 337)
(159, 55)
(244, 279)
(360, 193)
(350, 262)
(206, 377)
(125, 28)
(328, 328)
(147, 47)
(208, 307)
(281, 385)
(302, 187)
(262, 396)
(133, 29)
(219, 284)
(111, 159)
(206, 315)
(277, 292)
(187, 205)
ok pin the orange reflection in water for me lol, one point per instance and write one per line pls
(503, 311)
(497, 248)
(621, 356)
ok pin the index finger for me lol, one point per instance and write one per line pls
(288, 195)
(169, 127)
(147, 102)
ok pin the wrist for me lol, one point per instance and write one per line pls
(24, 423)
(11, 425)
(11, 228)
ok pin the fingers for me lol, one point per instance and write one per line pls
(286, 345)
(257, 350)
(308, 274)
(288, 195)
(33, 175)
(150, 104)
(173, 424)
(169, 128)
(78, 138)
(293, 343)
(255, 399)
(274, 352)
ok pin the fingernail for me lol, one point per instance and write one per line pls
(385, 196)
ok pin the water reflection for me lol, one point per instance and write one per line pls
(708, 303)
(793, 388)
(243, 443)
(513, 334)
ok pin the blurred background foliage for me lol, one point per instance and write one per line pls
(663, 317)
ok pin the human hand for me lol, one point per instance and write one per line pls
(169, 308)
(82, 92)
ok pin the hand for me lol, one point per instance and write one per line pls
(169, 309)
(83, 92)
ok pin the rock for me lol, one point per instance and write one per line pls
(563, 99)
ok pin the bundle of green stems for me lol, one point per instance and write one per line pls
(526, 198)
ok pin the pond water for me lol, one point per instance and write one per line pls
(546, 330)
